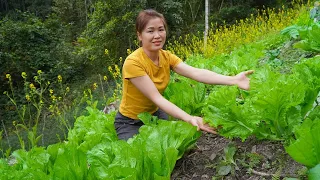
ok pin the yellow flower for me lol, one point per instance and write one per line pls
(32, 86)
(28, 97)
(59, 78)
(51, 108)
(105, 78)
(117, 68)
(114, 75)
(51, 91)
(53, 97)
(24, 75)
(58, 112)
(95, 86)
(128, 51)
(39, 72)
(8, 76)
(110, 69)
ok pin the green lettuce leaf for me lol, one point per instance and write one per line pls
(71, 163)
(306, 148)
(278, 98)
(314, 173)
(227, 109)
(89, 127)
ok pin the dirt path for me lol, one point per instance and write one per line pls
(254, 160)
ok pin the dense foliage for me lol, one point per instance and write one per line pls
(79, 40)
(93, 151)
(28, 44)
(282, 104)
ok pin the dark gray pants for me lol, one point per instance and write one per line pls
(127, 127)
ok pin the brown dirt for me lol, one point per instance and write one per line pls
(202, 161)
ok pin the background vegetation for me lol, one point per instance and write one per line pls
(82, 43)
(57, 64)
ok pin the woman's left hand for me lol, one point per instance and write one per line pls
(198, 122)
(242, 81)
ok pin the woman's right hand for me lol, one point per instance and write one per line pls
(198, 122)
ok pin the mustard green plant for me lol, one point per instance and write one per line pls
(42, 100)
(117, 77)
(4, 153)
(66, 109)
(102, 82)
(59, 105)
(29, 112)
(224, 39)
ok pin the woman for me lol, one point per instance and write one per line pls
(146, 74)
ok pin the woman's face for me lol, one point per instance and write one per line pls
(153, 35)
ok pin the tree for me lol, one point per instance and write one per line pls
(110, 29)
(41, 8)
(74, 14)
(28, 44)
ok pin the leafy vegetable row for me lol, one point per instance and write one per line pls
(93, 152)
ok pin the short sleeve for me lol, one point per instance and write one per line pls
(174, 60)
(132, 68)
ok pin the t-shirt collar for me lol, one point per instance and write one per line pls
(146, 57)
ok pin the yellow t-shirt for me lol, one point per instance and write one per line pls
(139, 64)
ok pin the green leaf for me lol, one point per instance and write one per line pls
(181, 94)
(292, 31)
(303, 44)
(161, 140)
(224, 170)
(315, 113)
(36, 158)
(53, 150)
(278, 106)
(223, 110)
(71, 163)
(314, 173)
(99, 158)
(229, 152)
(171, 157)
(96, 123)
(314, 34)
(119, 159)
(306, 149)
(147, 118)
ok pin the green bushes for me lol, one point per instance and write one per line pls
(28, 44)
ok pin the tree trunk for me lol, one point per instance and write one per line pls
(221, 5)
(86, 11)
(23, 6)
(206, 24)
(3, 6)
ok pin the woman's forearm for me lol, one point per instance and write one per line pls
(171, 109)
(209, 77)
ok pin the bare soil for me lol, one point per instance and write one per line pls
(254, 160)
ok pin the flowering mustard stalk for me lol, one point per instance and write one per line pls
(225, 38)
